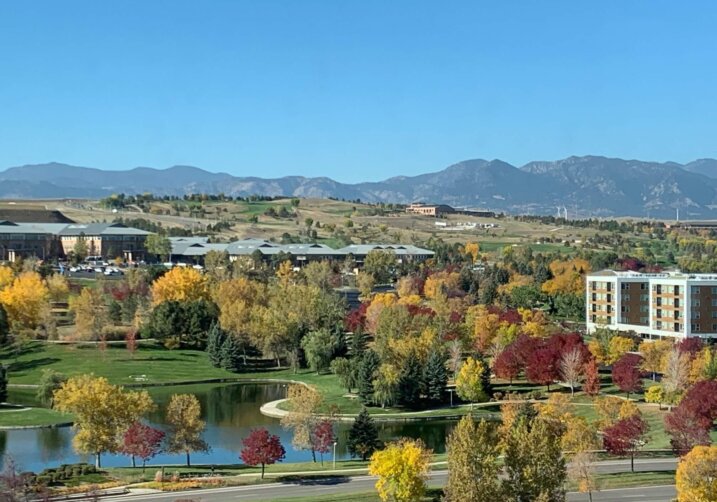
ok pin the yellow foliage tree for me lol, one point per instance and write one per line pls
(6, 276)
(579, 435)
(483, 325)
(619, 346)
(185, 425)
(26, 301)
(697, 475)
(472, 249)
(57, 287)
(402, 468)
(441, 282)
(655, 394)
(567, 277)
(557, 407)
(608, 410)
(378, 303)
(181, 284)
(406, 286)
(102, 412)
(534, 323)
(285, 273)
(653, 355)
(469, 382)
(90, 314)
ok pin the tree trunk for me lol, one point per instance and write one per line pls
(98, 462)
(133, 463)
(262, 471)
(590, 496)
(188, 463)
(144, 464)
(632, 461)
(313, 455)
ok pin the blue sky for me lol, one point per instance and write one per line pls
(354, 90)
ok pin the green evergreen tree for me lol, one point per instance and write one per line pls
(409, 385)
(231, 354)
(4, 327)
(215, 341)
(366, 375)
(363, 436)
(435, 377)
(485, 377)
(357, 343)
(3, 384)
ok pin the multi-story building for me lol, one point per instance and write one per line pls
(58, 240)
(654, 305)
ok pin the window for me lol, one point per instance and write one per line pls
(609, 298)
(676, 290)
(714, 314)
(594, 307)
(594, 318)
(695, 314)
(677, 327)
(677, 302)
(714, 290)
(593, 285)
(624, 320)
(695, 290)
(626, 297)
(644, 308)
(643, 286)
(659, 312)
(714, 328)
(644, 298)
(658, 289)
(695, 327)
(625, 308)
(696, 302)
(677, 314)
(609, 286)
(658, 325)
(609, 309)
(658, 301)
(624, 286)
(609, 320)
(594, 296)
(644, 320)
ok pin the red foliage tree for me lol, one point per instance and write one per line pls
(625, 437)
(323, 437)
(507, 365)
(131, 342)
(591, 385)
(701, 400)
(542, 366)
(356, 318)
(686, 430)
(564, 343)
(626, 373)
(691, 346)
(523, 346)
(142, 441)
(262, 448)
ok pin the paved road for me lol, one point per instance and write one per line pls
(359, 484)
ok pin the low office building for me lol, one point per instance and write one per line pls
(435, 210)
(49, 241)
(194, 249)
(654, 305)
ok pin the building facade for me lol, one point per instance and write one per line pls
(49, 241)
(654, 305)
(435, 210)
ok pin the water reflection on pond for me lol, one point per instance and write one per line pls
(230, 410)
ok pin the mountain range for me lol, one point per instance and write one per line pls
(586, 186)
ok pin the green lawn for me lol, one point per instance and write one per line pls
(32, 417)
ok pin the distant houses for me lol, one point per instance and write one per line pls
(440, 210)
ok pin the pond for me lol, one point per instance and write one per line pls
(230, 411)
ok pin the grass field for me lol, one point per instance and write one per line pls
(32, 417)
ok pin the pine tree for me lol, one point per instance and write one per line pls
(363, 436)
(473, 463)
(435, 377)
(357, 343)
(231, 354)
(366, 374)
(485, 377)
(409, 385)
(215, 341)
(3, 384)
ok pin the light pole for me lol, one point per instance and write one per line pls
(334, 455)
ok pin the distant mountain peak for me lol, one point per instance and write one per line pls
(594, 185)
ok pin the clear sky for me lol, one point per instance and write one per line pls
(354, 90)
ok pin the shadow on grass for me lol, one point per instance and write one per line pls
(313, 480)
(20, 366)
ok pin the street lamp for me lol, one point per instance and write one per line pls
(334, 455)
